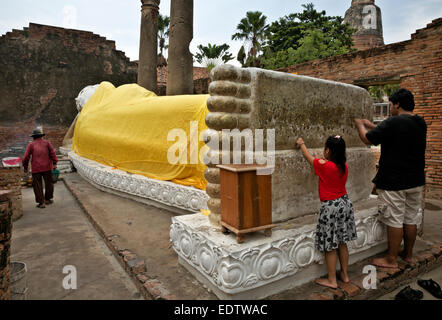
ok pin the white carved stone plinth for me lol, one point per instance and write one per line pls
(163, 194)
(65, 150)
(64, 165)
(263, 266)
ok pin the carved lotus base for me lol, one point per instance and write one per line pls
(163, 194)
(263, 266)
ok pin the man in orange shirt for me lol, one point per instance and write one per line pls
(43, 161)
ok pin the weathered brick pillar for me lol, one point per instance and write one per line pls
(10, 179)
(366, 18)
(180, 62)
(147, 65)
(5, 242)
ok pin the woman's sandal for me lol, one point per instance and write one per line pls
(432, 287)
(408, 293)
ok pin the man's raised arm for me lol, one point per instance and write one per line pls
(361, 126)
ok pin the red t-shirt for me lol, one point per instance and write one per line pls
(331, 181)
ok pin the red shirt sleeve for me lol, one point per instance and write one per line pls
(27, 156)
(52, 154)
(319, 168)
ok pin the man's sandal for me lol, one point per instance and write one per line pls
(41, 206)
(432, 287)
(408, 293)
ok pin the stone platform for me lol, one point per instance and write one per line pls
(64, 165)
(263, 266)
(162, 194)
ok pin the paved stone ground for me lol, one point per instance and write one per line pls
(432, 232)
(59, 235)
(138, 235)
(433, 220)
(390, 281)
(435, 274)
(138, 232)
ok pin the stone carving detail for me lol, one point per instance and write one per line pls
(171, 194)
(230, 108)
(245, 269)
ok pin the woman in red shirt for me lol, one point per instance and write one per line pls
(336, 225)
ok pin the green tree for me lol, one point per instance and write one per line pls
(212, 55)
(381, 93)
(163, 32)
(251, 30)
(306, 36)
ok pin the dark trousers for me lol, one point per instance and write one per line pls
(37, 184)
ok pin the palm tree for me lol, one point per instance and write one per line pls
(212, 55)
(163, 32)
(252, 30)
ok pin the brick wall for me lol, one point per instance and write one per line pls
(10, 179)
(43, 68)
(416, 64)
(15, 138)
(201, 86)
(5, 244)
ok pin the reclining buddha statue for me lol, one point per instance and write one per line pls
(131, 129)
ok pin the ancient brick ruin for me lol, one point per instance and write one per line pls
(366, 18)
(5, 242)
(43, 69)
(10, 179)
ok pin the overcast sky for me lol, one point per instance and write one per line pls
(214, 20)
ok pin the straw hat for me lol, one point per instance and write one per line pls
(38, 132)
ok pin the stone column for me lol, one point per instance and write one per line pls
(5, 242)
(147, 65)
(180, 62)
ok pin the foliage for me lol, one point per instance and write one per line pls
(378, 93)
(163, 32)
(306, 36)
(251, 30)
(212, 55)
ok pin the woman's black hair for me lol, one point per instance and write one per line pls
(336, 145)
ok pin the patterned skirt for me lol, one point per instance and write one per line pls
(336, 224)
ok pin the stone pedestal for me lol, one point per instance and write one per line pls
(5, 242)
(293, 106)
(64, 165)
(162, 194)
(263, 266)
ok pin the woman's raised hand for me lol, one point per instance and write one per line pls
(299, 142)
